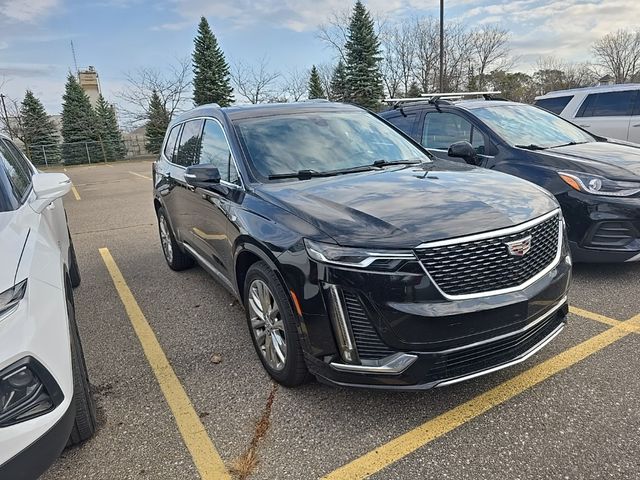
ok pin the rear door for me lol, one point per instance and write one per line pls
(442, 129)
(634, 124)
(608, 114)
(405, 122)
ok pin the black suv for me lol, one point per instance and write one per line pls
(596, 180)
(358, 256)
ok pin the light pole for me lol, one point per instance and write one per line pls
(441, 46)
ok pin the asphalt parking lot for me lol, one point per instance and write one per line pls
(181, 393)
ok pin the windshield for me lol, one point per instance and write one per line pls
(524, 125)
(322, 142)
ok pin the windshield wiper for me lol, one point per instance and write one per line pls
(384, 163)
(307, 174)
(532, 146)
(568, 144)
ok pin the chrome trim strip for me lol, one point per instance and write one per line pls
(633, 259)
(491, 234)
(517, 288)
(207, 265)
(517, 360)
(391, 365)
(529, 326)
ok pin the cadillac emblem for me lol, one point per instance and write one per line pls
(519, 248)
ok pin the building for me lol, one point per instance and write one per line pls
(90, 83)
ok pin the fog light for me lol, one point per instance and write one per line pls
(346, 343)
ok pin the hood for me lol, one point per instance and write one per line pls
(11, 244)
(619, 161)
(403, 207)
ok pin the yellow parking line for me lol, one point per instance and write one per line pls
(205, 456)
(107, 165)
(628, 326)
(401, 446)
(140, 175)
(75, 192)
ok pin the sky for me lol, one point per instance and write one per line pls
(120, 36)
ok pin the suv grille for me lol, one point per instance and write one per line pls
(486, 265)
(367, 340)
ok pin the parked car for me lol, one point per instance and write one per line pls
(596, 181)
(358, 256)
(45, 401)
(607, 110)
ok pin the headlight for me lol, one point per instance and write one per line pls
(597, 185)
(11, 297)
(357, 257)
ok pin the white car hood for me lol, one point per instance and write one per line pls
(12, 242)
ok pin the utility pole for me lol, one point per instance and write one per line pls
(441, 45)
(6, 117)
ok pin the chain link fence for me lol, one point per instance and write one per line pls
(86, 152)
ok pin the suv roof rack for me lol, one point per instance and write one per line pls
(443, 98)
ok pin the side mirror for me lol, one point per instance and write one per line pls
(202, 176)
(47, 188)
(465, 151)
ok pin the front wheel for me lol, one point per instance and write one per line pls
(272, 325)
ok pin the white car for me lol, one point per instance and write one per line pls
(45, 399)
(611, 111)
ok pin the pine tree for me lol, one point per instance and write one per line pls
(339, 83)
(210, 69)
(79, 125)
(39, 133)
(414, 91)
(315, 85)
(110, 136)
(364, 80)
(157, 124)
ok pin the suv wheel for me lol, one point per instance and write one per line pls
(272, 325)
(74, 270)
(84, 425)
(173, 254)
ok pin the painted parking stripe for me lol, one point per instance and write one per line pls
(603, 319)
(398, 448)
(75, 192)
(205, 456)
(140, 175)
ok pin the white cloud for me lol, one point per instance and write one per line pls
(26, 10)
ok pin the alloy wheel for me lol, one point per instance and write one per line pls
(165, 238)
(267, 326)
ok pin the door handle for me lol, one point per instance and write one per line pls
(636, 125)
(584, 126)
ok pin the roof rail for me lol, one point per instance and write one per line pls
(439, 97)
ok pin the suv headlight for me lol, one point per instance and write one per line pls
(357, 257)
(10, 298)
(597, 185)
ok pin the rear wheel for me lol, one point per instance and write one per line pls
(74, 271)
(173, 254)
(84, 425)
(272, 325)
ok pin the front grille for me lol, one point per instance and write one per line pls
(612, 235)
(488, 355)
(367, 340)
(486, 265)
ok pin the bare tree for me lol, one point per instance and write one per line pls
(256, 83)
(619, 54)
(425, 33)
(490, 48)
(553, 73)
(172, 86)
(12, 123)
(334, 32)
(325, 71)
(399, 57)
(295, 84)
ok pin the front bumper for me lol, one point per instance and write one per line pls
(34, 460)
(602, 229)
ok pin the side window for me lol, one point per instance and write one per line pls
(443, 129)
(404, 123)
(189, 148)
(170, 147)
(555, 104)
(215, 150)
(609, 104)
(17, 169)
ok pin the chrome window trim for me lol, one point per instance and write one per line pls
(233, 158)
(493, 234)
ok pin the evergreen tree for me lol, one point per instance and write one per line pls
(315, 85)
(110, 137)
(39, 133)
(414, 90)
(157, 124)
(210, 69)
(79, 125)
(364, 80)
(339, 83)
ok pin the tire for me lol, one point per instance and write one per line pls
(84, 425)
(176, 258)
(278, 330)
(74, 270)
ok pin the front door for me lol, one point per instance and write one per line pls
(442, 129)
(608, 114)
